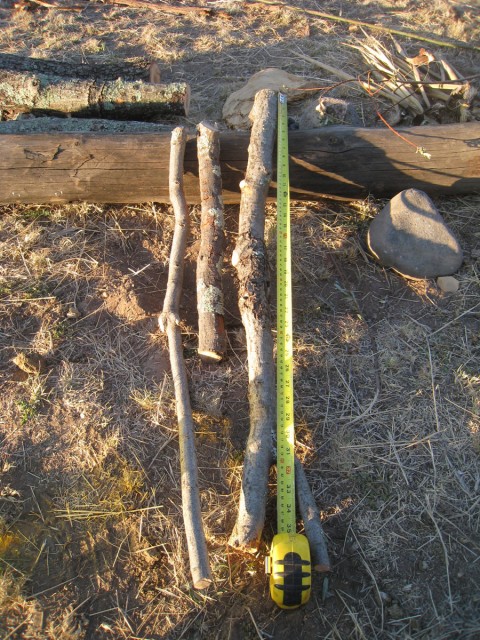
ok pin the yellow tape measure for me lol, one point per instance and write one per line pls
(289, 562)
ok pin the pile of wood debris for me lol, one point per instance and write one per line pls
(427, 86)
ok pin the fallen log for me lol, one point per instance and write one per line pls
(26, 92)
(169, 321)
(250, 260)
(337, 162)
(128, 70)
(211, 325)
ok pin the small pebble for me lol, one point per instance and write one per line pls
(73, 312)
(448, 284)
(385, 597)
(31, 363)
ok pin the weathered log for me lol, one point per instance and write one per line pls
(211, 325)
(169, 321)
(25, 92)
(131, 70)
(337, 162)
(250, 260)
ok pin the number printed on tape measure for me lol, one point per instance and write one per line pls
(285, 410)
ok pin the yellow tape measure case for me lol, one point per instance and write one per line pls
(289, 567)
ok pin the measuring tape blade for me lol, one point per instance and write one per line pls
(288, 564)
(286, 519)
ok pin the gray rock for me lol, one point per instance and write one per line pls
(410, 236)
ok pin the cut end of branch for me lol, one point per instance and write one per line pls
(202, 583)
(245, 538)
(249, 546)
(322, 568)
(210, 356)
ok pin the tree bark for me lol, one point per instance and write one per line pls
(169, 320)
(211, 325)
(337, 162)
(25, 92)
(250, 260)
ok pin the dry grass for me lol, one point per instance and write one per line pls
(387, 384)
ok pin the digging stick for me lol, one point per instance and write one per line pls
(169, 322)
(211, 325)
(250, 260)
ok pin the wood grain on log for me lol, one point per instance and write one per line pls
(340, 162)
(26, 92)
(169, 321)
(211, 325)
(250, 260)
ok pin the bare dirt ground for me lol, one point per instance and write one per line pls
(387, 378)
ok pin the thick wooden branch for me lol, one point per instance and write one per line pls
(169, 319)
(211, 325)
(339, 162)
(26, 92)
(250, 260)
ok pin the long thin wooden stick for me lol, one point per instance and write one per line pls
(414, 35)
(169, 321)
(250, 260)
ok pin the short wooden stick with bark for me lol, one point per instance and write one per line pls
(311, 520)
(250, 260)
(169, 321)
(211, 324)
